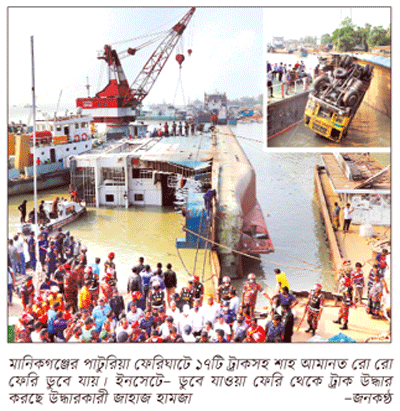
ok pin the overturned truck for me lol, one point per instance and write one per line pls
(337, 95)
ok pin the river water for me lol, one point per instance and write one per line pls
(369, 127)
(285, 190)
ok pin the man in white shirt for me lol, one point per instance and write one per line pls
(197, 316)
(184, 319)
(222, 325)
(166, 326)
(134, 314)
(211, 309)
(173, 311)
(347, 217)
(19, 244)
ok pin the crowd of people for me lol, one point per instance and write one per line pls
(73, 300)
(180, 128)
(287, 74)
(78, 301)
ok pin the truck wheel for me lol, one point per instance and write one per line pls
(345, 61)
(367, 71)
(340, 73)
(350, 98)
(321, 83)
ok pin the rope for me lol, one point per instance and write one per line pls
(177, 86)
(255, 257)
(205, 252)
(198, 243)
(242, 137)
(184, 265)
(282, 252)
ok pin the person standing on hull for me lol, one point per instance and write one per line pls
(347, 217)
(314, 308)
(336, 217)
(249, 295)
(347, 302)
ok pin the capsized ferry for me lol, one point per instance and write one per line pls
(153, 171)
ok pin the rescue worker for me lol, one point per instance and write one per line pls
(255, 333)
(249, 295)
(347, 302)
(107, 285)
(27, 292)
(22, 329)
(226, 290)
(314, 308)
(198, 290)
(109, 263)
(186, 294)
(156, 297)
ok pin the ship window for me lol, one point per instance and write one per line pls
(109, 198)
(145, 174)
(67, 149)
(83, 125)
(114, 176)
(76, 125)
(58, 128)
(139, 197)
(74, 147)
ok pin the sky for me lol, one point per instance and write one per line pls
(293, 23)
(227, 46)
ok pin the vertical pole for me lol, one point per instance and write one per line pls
(34, 158)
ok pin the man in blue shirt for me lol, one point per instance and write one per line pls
(274, 330)
(147, 322)
(99, 313)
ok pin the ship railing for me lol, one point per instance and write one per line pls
(286, 89)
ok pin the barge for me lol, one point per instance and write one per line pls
(360, 180)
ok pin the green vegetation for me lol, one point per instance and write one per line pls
(350, 37)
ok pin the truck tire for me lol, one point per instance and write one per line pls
(321, 83)
(350, 98)
(340, 73)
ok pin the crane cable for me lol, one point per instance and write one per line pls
(184, 228)
(177, 86)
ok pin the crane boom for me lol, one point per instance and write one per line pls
(152, 69)
(118, 101)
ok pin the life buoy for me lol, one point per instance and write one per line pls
(84, 136)
(76, 137)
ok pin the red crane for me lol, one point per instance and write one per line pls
(117, 102)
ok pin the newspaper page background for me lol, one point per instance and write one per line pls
(205, 361)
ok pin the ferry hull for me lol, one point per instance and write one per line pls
(44, 182)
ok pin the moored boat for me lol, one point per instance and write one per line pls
(64, 213)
